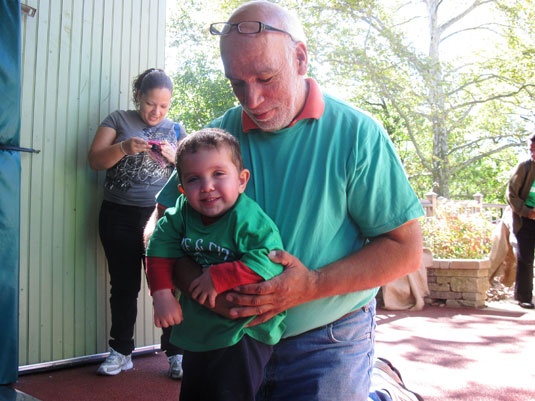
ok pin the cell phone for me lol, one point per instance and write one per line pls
(155, 146)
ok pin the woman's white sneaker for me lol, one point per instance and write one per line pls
(115, 363)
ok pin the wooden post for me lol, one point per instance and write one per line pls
(432, 198)
(479, 202)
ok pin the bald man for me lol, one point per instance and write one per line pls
(329, 177)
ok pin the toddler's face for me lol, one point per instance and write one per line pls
(211, 181)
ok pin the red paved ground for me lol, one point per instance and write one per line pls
(448, 354)
(443, 353)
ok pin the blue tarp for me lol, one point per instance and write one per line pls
(9, 188)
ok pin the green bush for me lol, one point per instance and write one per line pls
(456, 233)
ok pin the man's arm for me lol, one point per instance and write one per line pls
(384, 259)
(151, 224)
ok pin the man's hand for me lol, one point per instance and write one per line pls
(202, 288)
(167, 310)
(294, 286)
(531, 214)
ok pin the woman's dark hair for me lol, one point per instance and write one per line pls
(153, 78)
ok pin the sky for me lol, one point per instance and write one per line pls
(463, 44)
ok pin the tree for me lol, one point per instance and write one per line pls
(456, 117)
(201, 91)
(448, 117)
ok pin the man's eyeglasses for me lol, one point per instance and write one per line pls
(245, 27)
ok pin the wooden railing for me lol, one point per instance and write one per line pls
(494, 211)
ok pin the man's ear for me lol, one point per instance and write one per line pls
(302, 58)
(181, 189)
(244, 178)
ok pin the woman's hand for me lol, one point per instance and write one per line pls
(134, 145)
(105, 152)
(168, 152)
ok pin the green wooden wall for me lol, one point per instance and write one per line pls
(79, 58)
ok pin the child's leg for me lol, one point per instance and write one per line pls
(227, 374)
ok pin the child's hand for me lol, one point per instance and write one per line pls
(202, 288)
(167, 310)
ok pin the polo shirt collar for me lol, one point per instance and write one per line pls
(314, 107)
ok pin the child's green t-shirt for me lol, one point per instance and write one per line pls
(243, 233)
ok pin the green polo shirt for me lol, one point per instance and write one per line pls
(329, 184)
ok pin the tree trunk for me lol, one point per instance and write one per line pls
(441, 170)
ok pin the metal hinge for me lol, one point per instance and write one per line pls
(29, 11)
(18, 149)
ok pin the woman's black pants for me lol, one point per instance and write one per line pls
(524, 267)
(121, 232)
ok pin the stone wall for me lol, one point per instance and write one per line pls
(458, 282)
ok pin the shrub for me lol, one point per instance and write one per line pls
(455, 232)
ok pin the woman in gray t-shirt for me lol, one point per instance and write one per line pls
(137, 150)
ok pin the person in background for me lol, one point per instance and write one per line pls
(230, 236)
(520, 195)
(331, 180)
(136, 148)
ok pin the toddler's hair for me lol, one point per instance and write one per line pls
(214, 138)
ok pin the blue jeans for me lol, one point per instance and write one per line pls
(333, 362)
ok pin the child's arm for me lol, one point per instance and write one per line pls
(167, 311)
(202, 288)
(220, 278)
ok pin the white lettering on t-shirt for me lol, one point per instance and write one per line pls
(223, 254)
(185, 243)
(220, 250)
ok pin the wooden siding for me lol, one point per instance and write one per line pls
(79, 58)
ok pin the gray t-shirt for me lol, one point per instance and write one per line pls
(136, 179)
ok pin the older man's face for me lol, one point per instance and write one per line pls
(266, 77)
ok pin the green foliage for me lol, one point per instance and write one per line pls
(450, 118)
(201, 91)
(200, 95)
(454, 233)
(456, 122)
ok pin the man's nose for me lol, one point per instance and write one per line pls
(253, 96)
